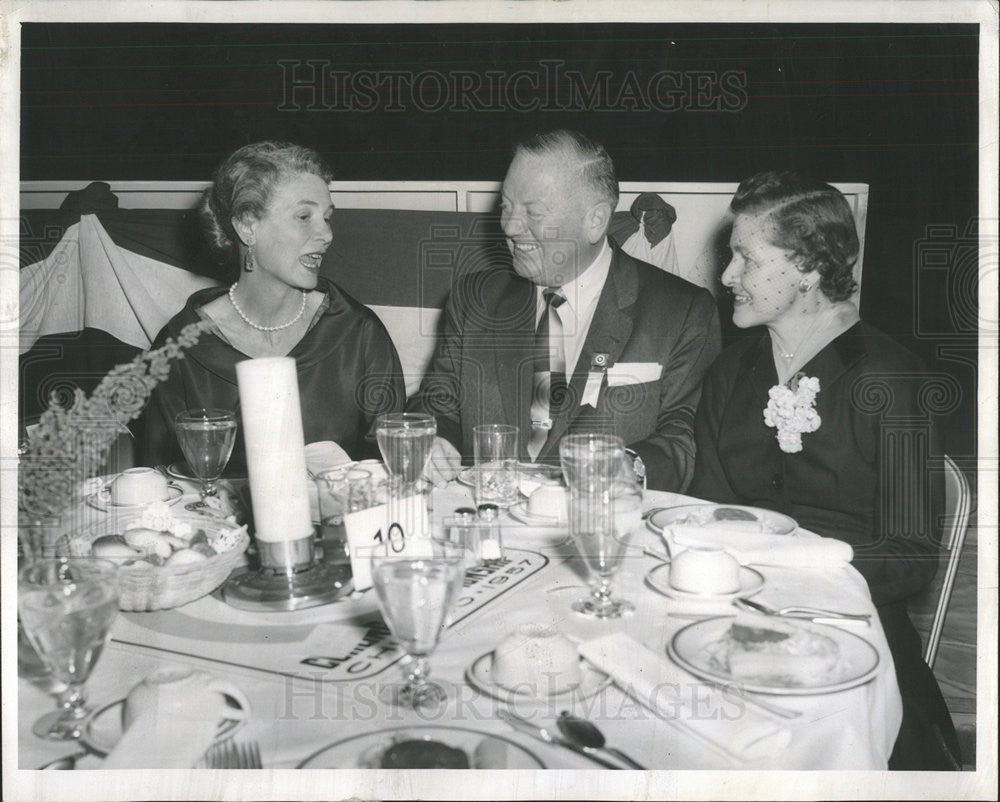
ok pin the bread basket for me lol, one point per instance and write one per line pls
(144, 587)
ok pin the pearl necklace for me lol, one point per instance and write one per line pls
(251, 324)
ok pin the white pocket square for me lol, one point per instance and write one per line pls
(634, 373)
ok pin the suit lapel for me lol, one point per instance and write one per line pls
(610, 330)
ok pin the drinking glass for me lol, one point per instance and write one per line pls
(496, 464)
(405, 440)
(66, 607)
(206, 437)
(591, 462)
(605, 509)
(340, 492)
(416, 582)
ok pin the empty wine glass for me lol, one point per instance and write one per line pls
(417, 582)
(405, 440)
(206, 437)
(66, 607)
(605, 509)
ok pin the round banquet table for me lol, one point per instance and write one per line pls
(313, 676)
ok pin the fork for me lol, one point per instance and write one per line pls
(231, 755)
(797, 612)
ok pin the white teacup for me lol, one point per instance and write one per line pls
(181, 691)
(550, 500)
(139, 486)
(705, 571)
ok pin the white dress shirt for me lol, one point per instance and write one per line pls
(577, 313)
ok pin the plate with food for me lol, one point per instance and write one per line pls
(721, 518)
(530, 475)
(766, 654)
(423, 747)
(103, 728)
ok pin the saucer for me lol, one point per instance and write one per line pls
(103, 729)
(659, 580)
(479, 674)
(101, 500)
(520, 513)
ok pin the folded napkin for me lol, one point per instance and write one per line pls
(760, 549)
(157, 740)
(723, 721)
(324, 454)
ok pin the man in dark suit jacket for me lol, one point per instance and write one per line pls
(634, 341)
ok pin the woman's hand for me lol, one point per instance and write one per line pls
(444, 462)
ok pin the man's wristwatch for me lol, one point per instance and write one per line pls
(638, 467)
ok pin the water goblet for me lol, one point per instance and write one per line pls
(416, 582)
(601, 525)
(206, 437)
(591, 462)
(405, 440)
(66, 606)
(605, 508)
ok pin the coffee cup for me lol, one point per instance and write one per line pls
(705, 571)
(550, 500)
(184, 692)
(139, 486)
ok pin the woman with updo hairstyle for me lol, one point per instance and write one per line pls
(820, 416)
(267, 220)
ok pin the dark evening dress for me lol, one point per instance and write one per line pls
(871, 475)
(348, 373)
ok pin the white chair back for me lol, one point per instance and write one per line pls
(958, 503)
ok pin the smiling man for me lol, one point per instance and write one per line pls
(573, 335)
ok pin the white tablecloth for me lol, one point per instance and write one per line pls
(853, 729)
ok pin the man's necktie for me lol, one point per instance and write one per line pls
(550, 371)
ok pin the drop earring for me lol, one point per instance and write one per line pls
(248, 260)
(804, 286)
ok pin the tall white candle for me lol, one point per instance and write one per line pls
(276, 462)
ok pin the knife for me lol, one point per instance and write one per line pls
(543, 735)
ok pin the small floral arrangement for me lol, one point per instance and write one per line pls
(791, 409)
(71, 442)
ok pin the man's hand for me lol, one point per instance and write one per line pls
(444, 463)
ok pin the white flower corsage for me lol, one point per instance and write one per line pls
(791, 409)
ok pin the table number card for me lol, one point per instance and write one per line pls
(368, 528)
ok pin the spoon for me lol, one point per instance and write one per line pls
(65, 762)
(585, 733)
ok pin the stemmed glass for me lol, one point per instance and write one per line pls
(417, 582)
(605, 508)
(206, 437)
(66, 607)
(405, 440)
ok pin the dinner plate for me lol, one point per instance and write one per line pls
(658, 579)
(690, 649)
(104, 728)
(101, 500)
(768, 522)
(479, 674)
(484, 751)
(527, 472)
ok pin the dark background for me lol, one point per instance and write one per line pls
(892, 106)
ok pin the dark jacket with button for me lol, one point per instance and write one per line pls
(871, 475)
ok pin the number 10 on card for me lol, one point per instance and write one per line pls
(402, 522)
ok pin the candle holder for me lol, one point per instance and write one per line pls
(289, 578)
